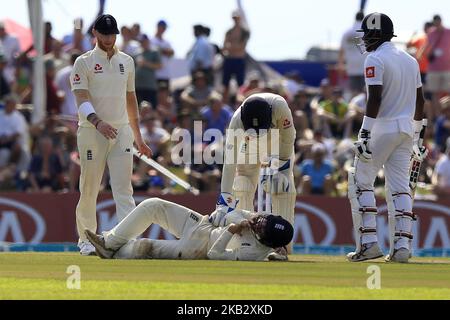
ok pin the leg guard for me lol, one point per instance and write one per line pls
(364, 211)
(244, 191)
(400, 221)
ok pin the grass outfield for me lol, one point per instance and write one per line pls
(43, 276)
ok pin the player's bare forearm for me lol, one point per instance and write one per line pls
(133, 114)
(81, 96)
(374, 100)
(420, 102)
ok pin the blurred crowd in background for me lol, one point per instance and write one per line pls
(43, 157)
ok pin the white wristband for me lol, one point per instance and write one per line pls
(86, 108)
(368, 123)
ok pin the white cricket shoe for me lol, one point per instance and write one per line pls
(280, 254)
(401, 255)
(99, 243)
(86, 248)
(368, 251)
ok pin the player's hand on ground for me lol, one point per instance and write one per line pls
(362, 146)
(143, 148)
(108, 131)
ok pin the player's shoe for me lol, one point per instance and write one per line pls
(368, 251)
(99, 243)
(86, 248)
(279, 254)
(401, 255)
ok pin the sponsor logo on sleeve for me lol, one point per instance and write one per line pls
(76, 79)
(287, 124)
(370, 72)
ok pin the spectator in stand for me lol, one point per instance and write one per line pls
(253, 85)
(292, 84)
(48, 39)
(45, 168)
(216, 114)
(166, 51)
(148, 62)
(235, 54)
(10, 49)
(316, 173)
(357, 109)
(77, 41)
(325, 93)
(438, 53)
(136, 33)
(442, 125)
(334, 116)
(196, 95)
(441, 175)
(417, 46)
(128, 45)
(60, 58)
(14, 139)
(62, 82)
(156, 137)
(351, 60)
(201, 56)
(5, 89)
(302, 114)
(54, 98)
(23, 75)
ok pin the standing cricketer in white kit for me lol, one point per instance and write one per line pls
(103, 82)
(261, 130)
(388, 137)
(255, 235)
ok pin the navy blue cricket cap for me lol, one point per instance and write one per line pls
(162, 23)
(106, 24)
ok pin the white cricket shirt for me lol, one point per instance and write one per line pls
(281, 120)
(107, 81)
(399, 75)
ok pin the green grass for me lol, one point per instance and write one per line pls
(43, 276)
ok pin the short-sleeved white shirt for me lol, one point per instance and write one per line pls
(399, 75)
(164, 72)
(108, 81)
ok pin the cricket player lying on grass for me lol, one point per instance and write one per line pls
(241, 235)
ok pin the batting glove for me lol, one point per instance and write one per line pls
(277, 178)
(225, 204)
(362, 146)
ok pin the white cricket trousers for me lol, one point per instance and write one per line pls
(191, 228)
(95, 152)
(393, 152)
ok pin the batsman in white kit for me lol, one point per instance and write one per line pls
(254, 235)
(261, 132)
(389, 136)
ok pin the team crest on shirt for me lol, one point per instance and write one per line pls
(370, 72)
(98, 68)
(76, 79)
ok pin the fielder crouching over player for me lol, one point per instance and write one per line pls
(261, 132)
(254, 235)
(388, 137)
